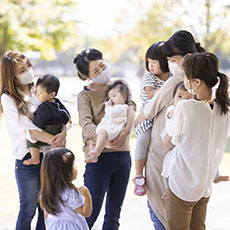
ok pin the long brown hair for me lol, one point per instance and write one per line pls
(205, 66)
(10, 84)
(56, 176)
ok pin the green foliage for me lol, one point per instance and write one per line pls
(207, 20)
(42, 25)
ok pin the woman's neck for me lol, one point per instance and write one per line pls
(205, 95)
(26, 89)
(96, 87)
(163, 76)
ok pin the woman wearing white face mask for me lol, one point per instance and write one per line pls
(199, 130)
(180, 44)
(18, 102)
(111, 172)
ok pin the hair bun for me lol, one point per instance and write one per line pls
(75, 60)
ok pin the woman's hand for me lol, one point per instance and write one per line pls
(59, 140)
(119, 141)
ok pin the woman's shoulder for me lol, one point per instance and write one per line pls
(5, 96)
(87, 91)
(6, 99)
(191, 105)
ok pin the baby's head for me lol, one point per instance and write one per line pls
(181, 93)
(118, 92)
(155, 60)
(47, 87)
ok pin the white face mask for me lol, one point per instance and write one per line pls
(175, 69)
(190, 90)
(102, 78)
(27, 77)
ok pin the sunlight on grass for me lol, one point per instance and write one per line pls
(8, 188)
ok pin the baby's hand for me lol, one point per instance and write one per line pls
(84, 191)
(109, 102)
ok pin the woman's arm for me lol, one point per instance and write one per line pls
(59, 139)
(150, 91)
(141, 117)
(41, 136)
(56, 141)
(121, 138)
(86, 117)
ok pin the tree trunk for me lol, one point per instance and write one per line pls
(207, 23)
(5, 39)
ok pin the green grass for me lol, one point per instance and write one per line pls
(8, 188)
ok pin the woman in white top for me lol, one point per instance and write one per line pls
(199, 130)
(181, 43)
(18, 103)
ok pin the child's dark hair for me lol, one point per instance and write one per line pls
(205, 66)
(155, 52)
(181, 43)
(123, 87)
(56, 176)
(181, 86)
(49, 82)
(83, 59)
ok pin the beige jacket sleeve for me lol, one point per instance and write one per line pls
(163, 97)
(86, 116)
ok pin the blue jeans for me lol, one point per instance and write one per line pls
(110, 174)
(28, 182)
(156, 222)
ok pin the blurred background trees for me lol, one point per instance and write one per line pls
(44, 26)
(51, 29)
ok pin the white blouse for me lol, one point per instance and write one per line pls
(199, 133)
(17, 125)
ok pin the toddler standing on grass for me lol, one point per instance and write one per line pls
(65, 206)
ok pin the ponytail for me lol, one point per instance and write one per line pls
(222, 97)
(204, 66)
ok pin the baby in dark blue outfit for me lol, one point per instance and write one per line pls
(51, 115)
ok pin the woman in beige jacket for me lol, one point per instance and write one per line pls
(110, 174)
(177, 46)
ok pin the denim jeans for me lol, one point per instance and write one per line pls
(110, 174)
(156, 222)
(28, 182)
